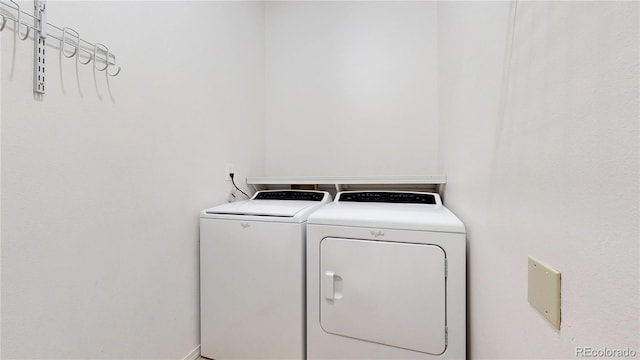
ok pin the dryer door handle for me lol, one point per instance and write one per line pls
(331, 286)
(328, 286)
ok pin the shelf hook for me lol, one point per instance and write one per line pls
(89, 54)
(103, 48)
(4, 18)
(116, 73)
(19, 22)
(65, 32)
(113, 64)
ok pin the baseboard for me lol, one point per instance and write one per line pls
(193, 355)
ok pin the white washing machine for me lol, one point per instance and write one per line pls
(386, 278)
(252, 282)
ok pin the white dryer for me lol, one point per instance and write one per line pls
(386, 278)
(252, 282)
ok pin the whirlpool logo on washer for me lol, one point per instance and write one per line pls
(245, 225)
(376, 233)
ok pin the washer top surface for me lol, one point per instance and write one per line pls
(389, 210)
(271, 205)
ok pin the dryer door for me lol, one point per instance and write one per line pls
(384, 292)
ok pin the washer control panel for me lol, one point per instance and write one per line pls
(290, 195)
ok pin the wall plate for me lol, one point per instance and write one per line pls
(544, 290)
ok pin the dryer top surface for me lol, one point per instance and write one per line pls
(425, 217)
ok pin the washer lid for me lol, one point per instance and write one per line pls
(280, 205)
(274, 208)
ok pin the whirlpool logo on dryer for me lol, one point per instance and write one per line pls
(376, 233)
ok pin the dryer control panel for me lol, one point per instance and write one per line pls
(388, 197)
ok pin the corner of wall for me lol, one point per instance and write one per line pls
(439, 162)
(0, 197)
(193, 355)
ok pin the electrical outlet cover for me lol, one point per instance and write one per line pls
(544, 290)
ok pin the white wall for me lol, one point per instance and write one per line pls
(100, 195)
(351, 88)
(0, 201)
(539, 140)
